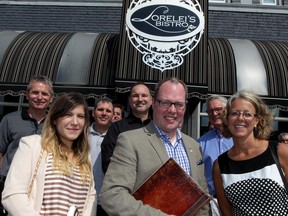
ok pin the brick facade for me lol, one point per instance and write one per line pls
(228, 24)
(248, 25)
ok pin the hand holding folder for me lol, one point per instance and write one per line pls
(173, 191)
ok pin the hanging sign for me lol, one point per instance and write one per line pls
(164, 30)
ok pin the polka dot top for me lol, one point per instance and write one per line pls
(254, 186)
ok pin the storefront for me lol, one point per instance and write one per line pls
(87, 63)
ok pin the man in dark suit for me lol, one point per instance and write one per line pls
(140, 152)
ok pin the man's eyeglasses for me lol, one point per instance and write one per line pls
(217, 110)
(246, 115)
(283, 141)
(167, 104)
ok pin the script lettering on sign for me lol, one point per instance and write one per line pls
(164, 31)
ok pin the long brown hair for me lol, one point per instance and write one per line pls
(50, 137)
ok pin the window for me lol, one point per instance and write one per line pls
(217, 1)
(268, 2)
(10, 103)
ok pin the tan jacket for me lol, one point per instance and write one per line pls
(137, 155)
(14, 196)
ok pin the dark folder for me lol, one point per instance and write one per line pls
(173, 191)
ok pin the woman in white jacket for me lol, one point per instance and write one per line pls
(52, 172)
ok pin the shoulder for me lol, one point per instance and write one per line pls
(12, 115)
(188, 138)
(216, 166)
(139, 134)
(133, 132)
(283, 150)
(208, 135)
(190, 142)
(113, 129)
(116, 126)
(32, 140)
(223, 158)
(32, 137)
(283, 157)
(144, 129)
(29, 146)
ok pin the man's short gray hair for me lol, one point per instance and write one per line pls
(217, 97)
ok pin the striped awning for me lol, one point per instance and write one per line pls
(221, 76)
(85, 62)
(275, 60)
(260, 66)
(89, 63)
(31, 53)
(73, 61)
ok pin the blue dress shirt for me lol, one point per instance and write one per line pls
(95, 141)
(212, 145)
(176, 151)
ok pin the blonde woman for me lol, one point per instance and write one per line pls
(246, 178)
(52, 173)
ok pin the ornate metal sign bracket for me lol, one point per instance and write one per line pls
(164, 30)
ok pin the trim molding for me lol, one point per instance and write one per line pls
(246, 8)
(66, 3)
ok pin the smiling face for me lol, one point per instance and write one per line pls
(140, 100)
(168, 119)
(214, 110)
(39, 96)
(71, 125)
(241, 119)
(103, 114)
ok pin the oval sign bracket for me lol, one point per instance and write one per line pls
(164, 31)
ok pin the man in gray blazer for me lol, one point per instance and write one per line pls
(140, 152)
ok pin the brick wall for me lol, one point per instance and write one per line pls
(241, 25)
(60, 18)
(244, 25)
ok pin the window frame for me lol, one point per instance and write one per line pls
(269, 3)
(217, 1)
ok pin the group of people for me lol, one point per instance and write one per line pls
(61, 160)
(242, 175)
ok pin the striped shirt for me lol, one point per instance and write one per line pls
(176, 151)
(61, 191)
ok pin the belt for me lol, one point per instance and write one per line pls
(2, 178)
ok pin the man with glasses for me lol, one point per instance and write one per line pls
(213, 143)
(139, 153)
(283, 137)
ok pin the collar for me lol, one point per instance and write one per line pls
(217, 132)
(92, 131)
(132, 118)
(25, 116)
(164, 136)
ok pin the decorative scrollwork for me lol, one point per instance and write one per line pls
(166, 38)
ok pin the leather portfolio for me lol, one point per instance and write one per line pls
(173, 191)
